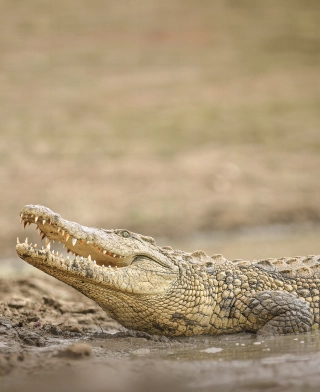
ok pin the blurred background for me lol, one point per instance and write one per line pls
(195, 122)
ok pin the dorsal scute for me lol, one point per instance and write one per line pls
(292, 267)
(241, 263)
(196, 258)
(201, 258)
(266, 264)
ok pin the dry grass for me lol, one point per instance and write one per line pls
(162, 117)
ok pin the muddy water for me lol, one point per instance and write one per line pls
(42, 318)
(234, 347)
(247, 347)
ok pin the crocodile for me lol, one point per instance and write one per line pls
(169, 292)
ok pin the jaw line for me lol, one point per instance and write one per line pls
(81, 273)
(52, 227)
(101, 247)
(47, 261)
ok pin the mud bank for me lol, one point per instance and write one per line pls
(53, 338)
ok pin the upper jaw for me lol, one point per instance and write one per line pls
(105, 247)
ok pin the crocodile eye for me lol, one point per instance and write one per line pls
(125, 234)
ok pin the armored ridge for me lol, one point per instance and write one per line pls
(170, 292)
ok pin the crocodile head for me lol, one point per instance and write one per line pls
(124, 272)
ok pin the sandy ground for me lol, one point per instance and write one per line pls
(165, 118)
(60, 342)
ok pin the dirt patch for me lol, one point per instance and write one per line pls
(76, 350)
(43, 304)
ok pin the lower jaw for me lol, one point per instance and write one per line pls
(108, 261)
(45, 259)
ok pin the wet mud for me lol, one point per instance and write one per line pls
(53, 338)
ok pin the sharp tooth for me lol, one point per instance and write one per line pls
(67, 236)
(63, 232)
(36, 219)
(26, 241)
(104, 252)
(48, 245)
(57, 254)
(102, 265)
(89, 258)
(43, 221)
(21, 214)
(52, 252)
(94, 262)
(18, 241)
(38, 230)
(68, 258)
(53, 241)
(42, 247)
(88, 242)
(109, 266)
(74, 241)
(59, 229)
(114, 255)
(35, 245)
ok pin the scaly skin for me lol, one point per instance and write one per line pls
(170, 292)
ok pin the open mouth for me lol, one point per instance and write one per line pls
(81, 242)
